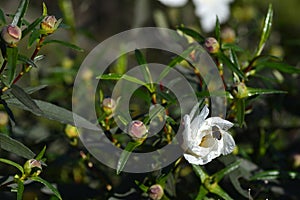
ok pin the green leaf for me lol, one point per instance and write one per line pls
(143, 187)
(20, 190)
(265, 31)
(45, 12)
(200, 172)
(53, 112)
(26, 60)
(24, 98)
(47, 184)
(32, 26)
(216, 189)
(240, 106)
(232, 46)
(283, 67)
(218, 30)
(125, 155)
(33, 37)
(41, 154)
(11, 145)
(230, 65)
(202, 193)
(17, 21)
(126, 77)
(12, 57)
(16, 165)
(67, 44)
(260, 91)
(30, 90)
(157, 111)
(275, 175)
(144, 68)
(194, 34)
(2, 18)
(228, 169)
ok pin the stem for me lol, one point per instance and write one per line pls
(3, 66)
(27, 66)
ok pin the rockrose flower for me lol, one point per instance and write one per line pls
(205, 139)
(207, 10)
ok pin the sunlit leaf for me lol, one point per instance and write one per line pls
(17, 21)
(202, 193)
(260, 91)
(16, 165)
(41, 154)
(194, 34)
(265, 31)
(228, 169)
(131, 146)
(230, 65)
(200, 172)
(47, 184)
(14, 146)
(275, 174)
(66, 44)
(126, 77)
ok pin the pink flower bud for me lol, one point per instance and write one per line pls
(11, 34)
(137, 130)
(156, 192)
(32, 167)
(212, 45)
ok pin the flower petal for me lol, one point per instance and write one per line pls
(174, 3)
(229, 143)
(222, 123)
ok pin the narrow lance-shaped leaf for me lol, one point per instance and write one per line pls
(11, 145)
(220, 174)
(66, 44)
(32, 26)
(216, 189)
(24, 98)
(26, 60)
(202, 193)
(275, 174)
(12, 57)
(33, 37)
(280, 66)
(17, 21)
(125, 155)
(41, 154)
(230, 65)
(218, 30)
(2, 18)
(47, 184)
(192, 33)
(144, 68)
(265, 31)
(240, 106)
(260, 91)
(16, 165)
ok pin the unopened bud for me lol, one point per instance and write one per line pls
(49, 24)
(109, 105)
(11, 34)
(3, 118)
(212, 45)
(242, 90)
(32, 167)
(71, 131)
(228, 35)
(156, 192)
(137, 130)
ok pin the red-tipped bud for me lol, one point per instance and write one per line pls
(212, 45)
(137, 130)
(109, 105)
(11, 34)
(49, 24)
(156, 192)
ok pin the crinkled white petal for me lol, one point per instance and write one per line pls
(221, 123)
(229, 143)
(207, 10)
(174, 3)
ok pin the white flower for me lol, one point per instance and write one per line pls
(174, 3)
(205, 139)
(207, 10)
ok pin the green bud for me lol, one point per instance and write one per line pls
(32, 167)
(109, 105)
(3, 118)
(242, 90)
(137, 130)
(156, 192)
(212, 45)
(11, 34)
(71, 131)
